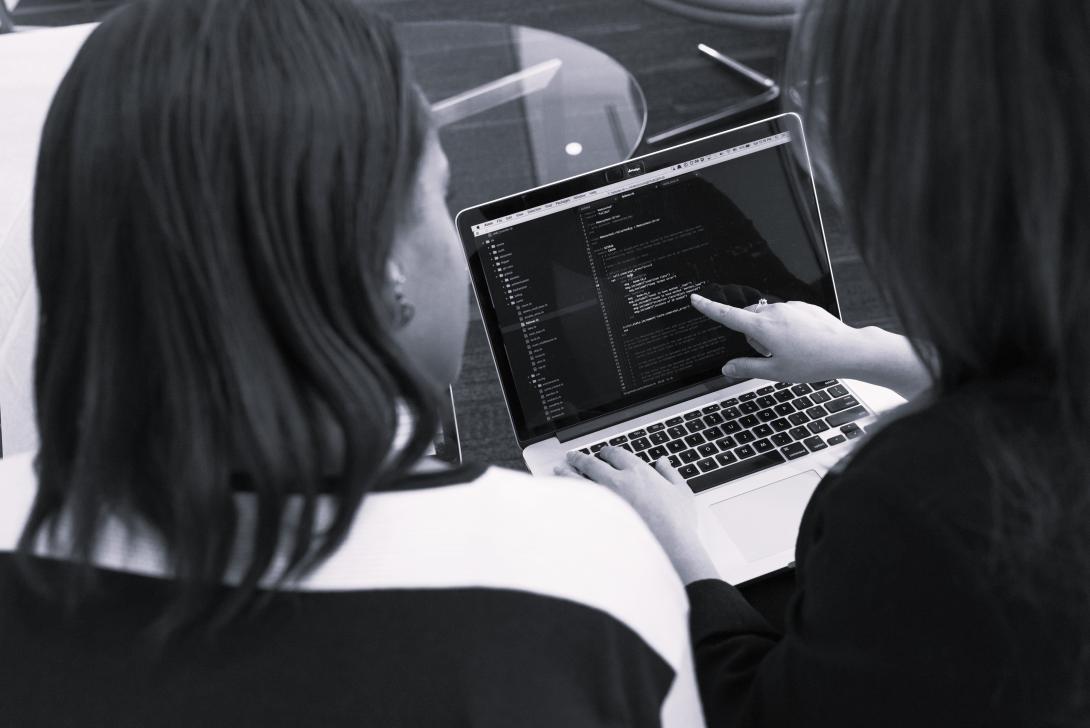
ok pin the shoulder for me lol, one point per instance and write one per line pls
(553, 537)
(18, 484)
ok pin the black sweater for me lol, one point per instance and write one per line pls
(897, 618)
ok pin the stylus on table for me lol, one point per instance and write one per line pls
(770, 93)
(758, 78)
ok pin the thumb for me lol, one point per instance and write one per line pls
(750, 368)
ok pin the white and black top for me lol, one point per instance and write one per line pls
(474, 597)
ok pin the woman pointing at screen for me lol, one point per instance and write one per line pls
(943, 570)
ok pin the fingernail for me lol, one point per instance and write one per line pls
(729, 370)
(570, 457)
(696, 299)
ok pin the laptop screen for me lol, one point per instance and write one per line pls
(585, 288)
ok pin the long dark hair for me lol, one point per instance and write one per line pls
(955, 136)
(217, 192)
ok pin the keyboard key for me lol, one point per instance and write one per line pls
(802, 403)
(763, 446)
(692, 415)
(707, 464)
(597, 447)
(713, 419)
(836, 439)
(762, 430)
(766, 415)
(781, 385)
(820, 397)
(676, 432)
(747, 396)
(824, 384)
(712, 433)
(626, 446)
(767, 401)
(694, 440)
(783, 409)
(618, 440)
(726, 458)
(837, 391)
(749, 407)
(640, 443)
(815, 443)
(794, 451)
(689, 471)
(586, 450)
(852, 431)
(675, 461)
(841, 404)
(676, 446)
(749, 421)
(848, 415)
(781, 439)
(644, 456)
(727, 443)
(657, 427)
(780, 425)
(689, 456)
(801, 389)
(784, 395)
(657, 438)
(799, 433)
(674, 421)
(657, 452)
(636, 433)
(695, 425)
(733, 471)
(766, 390)
(744, 437)
(817, 426)
(707, 449)
(709, 409)
(798, 419)
(731, 427)
(729, 402)
(731, 413)
(816, 413)
(746, 451)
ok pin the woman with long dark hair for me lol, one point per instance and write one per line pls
(251, 297)
(943, 571)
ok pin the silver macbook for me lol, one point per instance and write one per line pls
(584, 285)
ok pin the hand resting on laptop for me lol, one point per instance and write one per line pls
(806, 344)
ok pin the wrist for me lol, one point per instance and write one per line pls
(888, 360)
(691, 561)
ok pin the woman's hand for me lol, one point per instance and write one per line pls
(806, 343)
(659, 495)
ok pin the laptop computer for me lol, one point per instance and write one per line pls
(583, 287)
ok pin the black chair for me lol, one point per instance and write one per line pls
(761, 14)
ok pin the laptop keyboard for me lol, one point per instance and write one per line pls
(716, 443)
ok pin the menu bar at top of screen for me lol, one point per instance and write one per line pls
(642, 180)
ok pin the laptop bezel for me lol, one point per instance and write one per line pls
(564, 188)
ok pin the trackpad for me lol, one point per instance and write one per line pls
(765, 521)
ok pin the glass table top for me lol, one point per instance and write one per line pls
(522, 107)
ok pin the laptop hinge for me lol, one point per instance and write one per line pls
(638, 410)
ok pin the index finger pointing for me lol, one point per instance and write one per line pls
(734, 318)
